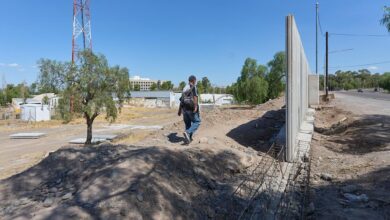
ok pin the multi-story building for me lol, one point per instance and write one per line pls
(144, 83)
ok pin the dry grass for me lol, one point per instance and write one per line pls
(133, 137)
(126, 115)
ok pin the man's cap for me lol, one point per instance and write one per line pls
(191, 78)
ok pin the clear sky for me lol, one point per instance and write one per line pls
(171, 39)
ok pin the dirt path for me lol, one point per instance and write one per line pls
(350, 160)
(17, 155)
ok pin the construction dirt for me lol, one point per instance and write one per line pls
(155, 177)
(350, 166)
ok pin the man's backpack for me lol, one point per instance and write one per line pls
(188, 99)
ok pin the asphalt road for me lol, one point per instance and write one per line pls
(365, 103)
(368, 94)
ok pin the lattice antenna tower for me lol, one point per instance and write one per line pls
(82, 36)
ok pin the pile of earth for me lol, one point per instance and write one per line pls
(126, 182)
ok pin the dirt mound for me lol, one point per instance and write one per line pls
(114, 182)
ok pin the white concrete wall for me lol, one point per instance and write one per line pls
(218, 99)
(297, 96)
(314, 90)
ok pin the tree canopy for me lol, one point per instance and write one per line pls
(90, 87)
(386, 18)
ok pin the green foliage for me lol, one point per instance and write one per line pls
(153, 87)
(257, 88)
(385, 81)
(351, 80)
(182, 84)
(277, 72)
(386, 18)
(137, 87)
(90, 88)
(52, 75)
(200, 87)
(11, 91)
(206, 85)
(45, 100)
(251, 87)
(167, 85)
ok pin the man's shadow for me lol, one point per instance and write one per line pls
(173, 138)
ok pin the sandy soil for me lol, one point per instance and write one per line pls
(350, 165)
(18, 155)
(153, 178)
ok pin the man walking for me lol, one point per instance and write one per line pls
(190, 109)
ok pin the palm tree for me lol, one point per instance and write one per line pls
(386, 18)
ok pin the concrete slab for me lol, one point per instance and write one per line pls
(310, 119)
(131, 127)
(307, 127)
(304, 137)
(27, 135)
(109, 137)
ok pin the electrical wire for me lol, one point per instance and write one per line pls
(360, 65)
(360, 35)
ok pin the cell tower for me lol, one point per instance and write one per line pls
(81, 28)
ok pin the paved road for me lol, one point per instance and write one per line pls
(368, 94)
(366, 103)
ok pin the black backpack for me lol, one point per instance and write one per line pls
(187, 99)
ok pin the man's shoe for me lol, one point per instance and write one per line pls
(187, 138)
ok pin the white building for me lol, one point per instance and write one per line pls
(144, 83)
(153, 99)
(35, 112)
(52, 99)
(217, 99)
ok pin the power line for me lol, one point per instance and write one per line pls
(360, 35)
(360, 65)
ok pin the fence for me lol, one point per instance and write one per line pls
(297, 86)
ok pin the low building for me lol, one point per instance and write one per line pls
(153, 99)
(34, 112)
(144, 83)
(52, 99)
(217, 99)
(18, 102)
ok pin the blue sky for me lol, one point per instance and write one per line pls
(174, 38)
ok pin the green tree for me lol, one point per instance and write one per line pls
(274, 77)
(386, 18)
(167, 85)
(385, 81)
(52, 75)
(153, 87)
(257, 88)
(206, 85)
(244, 90)
(182, 84)
(45, 100)
(93, 85)
(137, 87)
(200, 87)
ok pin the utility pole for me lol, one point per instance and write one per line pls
(326, 66)
(317, 37)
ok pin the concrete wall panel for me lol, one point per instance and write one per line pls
(297, 87)
(314, 90)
